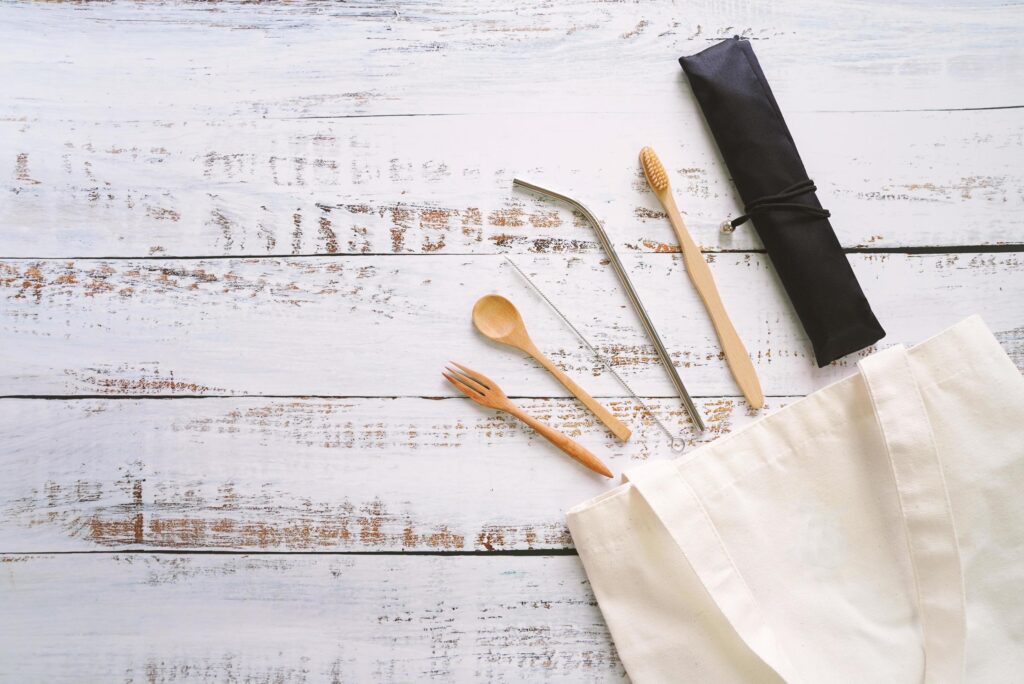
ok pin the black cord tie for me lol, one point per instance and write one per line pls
(778, 201)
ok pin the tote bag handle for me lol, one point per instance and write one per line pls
(927, 516)
(931, 538)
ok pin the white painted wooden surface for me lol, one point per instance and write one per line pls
(383, 474)
(444, 184)
(300, 618)
(386, 325)
(238, 241)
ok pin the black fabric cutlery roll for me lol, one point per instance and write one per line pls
(758, 149)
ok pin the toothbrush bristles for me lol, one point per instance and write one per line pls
(653, 169)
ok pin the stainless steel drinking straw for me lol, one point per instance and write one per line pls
(638, 306)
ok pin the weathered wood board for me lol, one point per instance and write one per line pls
(199, 152)
(299, 618)
(386, 325)
(166, 61)
(444, 184)
(311, 474)
(239, 240)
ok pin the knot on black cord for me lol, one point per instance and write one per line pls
(780, 201)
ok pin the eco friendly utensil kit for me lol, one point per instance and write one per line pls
(759, 151)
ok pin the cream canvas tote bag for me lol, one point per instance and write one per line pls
(870, 532)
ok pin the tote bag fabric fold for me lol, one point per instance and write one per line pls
(871, 532)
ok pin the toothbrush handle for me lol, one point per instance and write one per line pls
(700, 275)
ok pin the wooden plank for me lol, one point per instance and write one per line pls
(163, 129)
(385, 326)
(310, 474)
(251, 61)
(443, 184)
(290, 619)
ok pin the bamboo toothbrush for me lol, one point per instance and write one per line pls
(700, 275)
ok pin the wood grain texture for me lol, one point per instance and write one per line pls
(307, 59)
(292, 619)
(311, 474)
(342, 326)
(238, 129)
(443, 184)
(168, 169)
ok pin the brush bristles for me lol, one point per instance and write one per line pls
(653, 169)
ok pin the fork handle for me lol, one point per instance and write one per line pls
(564, 443)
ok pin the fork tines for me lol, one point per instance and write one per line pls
(464, 383)
(473, 384)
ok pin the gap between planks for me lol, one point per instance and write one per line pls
(232, 552)
(524, 397)
(328, 117)
(928, 249)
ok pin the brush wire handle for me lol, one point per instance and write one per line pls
(577, 451)
(700, 275)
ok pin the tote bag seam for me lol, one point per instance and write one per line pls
(926, 624)
(735, 570)
(718, 539)
(903, 516)
(947, 510)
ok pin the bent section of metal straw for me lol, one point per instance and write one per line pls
(638, 306)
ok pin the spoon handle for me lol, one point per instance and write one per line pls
(617, 427)
(574, 449)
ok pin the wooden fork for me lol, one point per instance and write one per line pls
(486, 392)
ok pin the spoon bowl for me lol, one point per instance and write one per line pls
(498, 318)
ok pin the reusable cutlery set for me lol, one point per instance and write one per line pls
(499, 320)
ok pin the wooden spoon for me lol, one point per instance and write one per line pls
(497, 318)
